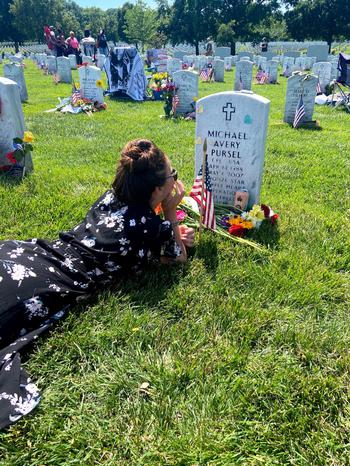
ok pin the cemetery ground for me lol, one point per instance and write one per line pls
(237, 357)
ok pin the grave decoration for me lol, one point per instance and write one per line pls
(159, 79)
(171, 101)
(76, 103)
(17, 158)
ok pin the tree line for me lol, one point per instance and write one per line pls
(181, 21)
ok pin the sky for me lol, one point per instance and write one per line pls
(105, 4)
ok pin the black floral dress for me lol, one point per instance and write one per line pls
(40, 280)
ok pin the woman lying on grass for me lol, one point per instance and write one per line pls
(121, 233)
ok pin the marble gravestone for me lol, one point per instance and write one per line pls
(300, 84)
(292, 54)
(15, 72)
(323, 70)
(272, 71)
(228, 63)
(219, 71)
(88, 75)
(73, 61)
(100, 60)
(64, 70)
(11, 120)
(87, 59)
(186, 83)
(173, 65)
(246, 54)
(223, 52)
(51, 64)
(235, 126)
(244, 75)
(318, 51)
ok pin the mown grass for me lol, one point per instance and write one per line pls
(246, 354)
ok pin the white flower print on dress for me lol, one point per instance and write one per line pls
(89, 241)
(18, 272)
(132, 223)
(69, 264)
(22, 405)
(107, 200)
(54, 287)
(112, 266)
(141, 253)
(35, 307)
(124, 241)
(143, 219)
(15, 253)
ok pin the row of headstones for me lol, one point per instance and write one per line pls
(50, 62)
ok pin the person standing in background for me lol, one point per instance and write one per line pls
(88, 44)
(102, 45)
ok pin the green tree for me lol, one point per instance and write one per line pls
(193, 21)
(94, 19)
(8, 30)
(226, 36)
(122, 20)
(111, 24)
(141, 24)
(318, 19)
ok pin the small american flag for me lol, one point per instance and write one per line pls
(175, 103)
(264, 78)
(206, 74)
(299, 113)
(207, 203)
(76, 95)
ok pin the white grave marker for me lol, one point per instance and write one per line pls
(297, 85)
(244, 75)
(235, 126)
(88, 75)
(63, 69)
(15, 72)
(323, 70)
(186, 83)
(73, 61)
(219, 71)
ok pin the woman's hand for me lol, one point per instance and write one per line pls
(173, 200)
(187, 235)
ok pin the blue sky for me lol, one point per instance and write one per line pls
(105, 4)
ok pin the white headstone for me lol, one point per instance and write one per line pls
(319, 51)
(63, 69)
(173, 65)
(11, 119)
(235, 126)
(323, 70)
(73, 61)
(87, 59)
(88, 75)
(223, 52)
(51, 64)
(14, 71)
(228, 63)
(246, 54)
(186, 83)
(271, 69)
(100, 60)
(219, 71)
(297, 85)
(244, 75)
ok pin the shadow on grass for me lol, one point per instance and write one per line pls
(268, 235)
(207, 251)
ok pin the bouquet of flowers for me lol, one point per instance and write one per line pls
(158, 79)
(17, 158)
(170, 102)
(230, 222)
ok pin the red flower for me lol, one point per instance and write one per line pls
(274, 219)
(236, 230)
(11, 157)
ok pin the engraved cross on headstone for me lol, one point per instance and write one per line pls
(229, 109)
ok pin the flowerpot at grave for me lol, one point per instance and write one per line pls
(157, 95)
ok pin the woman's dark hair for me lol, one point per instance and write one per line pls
(142, 167)
(87, 33)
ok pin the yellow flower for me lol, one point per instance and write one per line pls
(28, 136)
(99, 83)
(247, 225)
(235, 220)
(257, 212)
(195, 99)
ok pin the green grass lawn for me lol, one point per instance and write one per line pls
(246, 354)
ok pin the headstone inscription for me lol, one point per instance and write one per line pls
(235, 126)
(300, 85)
(319, 51)
(246, 54)
(89, 88)
(15, 72)
(63, 70)
(186, 83)
(244, 75)
(73, 61)
(11, 120)
(219, 71)
(323, 71)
